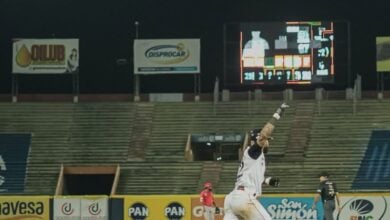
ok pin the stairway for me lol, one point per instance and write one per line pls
(141, 131)
(210, 173)
(300, 131)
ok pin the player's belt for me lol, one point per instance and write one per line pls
(328, 200)
(242, 188)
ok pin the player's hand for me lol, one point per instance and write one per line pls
(274, 181)
(284, 106)
(217, 211)
(280, 110)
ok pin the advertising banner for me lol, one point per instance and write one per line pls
(291, 207)
(14, 150)
(94, 208)
(383, 54)
(157, 207)
(51, 56)
(25, 207)
(66, 208)
(189, 207)
(197, 208)
(80, 207)
(280, 207)
(375, 207)
(156, 56)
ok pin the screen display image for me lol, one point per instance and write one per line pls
(383, 54)
(287, 53)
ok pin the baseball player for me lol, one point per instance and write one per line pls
(208, 202)
(242, 202)
(328, 192)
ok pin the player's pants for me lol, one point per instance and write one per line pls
(208, 212)
(242, 205)
(329, 207)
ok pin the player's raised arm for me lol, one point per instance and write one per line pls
(268, 128)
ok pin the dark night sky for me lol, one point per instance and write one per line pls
(106, 30)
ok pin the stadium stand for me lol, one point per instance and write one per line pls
(339, 138)
(148, 139)
(74, 134)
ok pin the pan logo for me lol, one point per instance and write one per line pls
(174, 211)
(138, 211)
(167, 54)
(67, 209)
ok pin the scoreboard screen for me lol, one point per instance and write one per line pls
(296, 53)
(287, 52)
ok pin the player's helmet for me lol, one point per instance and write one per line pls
(253, 134)
(324, 174)
(207, 185)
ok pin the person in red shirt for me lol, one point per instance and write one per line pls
(208, 202)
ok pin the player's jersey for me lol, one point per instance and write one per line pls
(207, 197)
(251, 171)
(327, 189)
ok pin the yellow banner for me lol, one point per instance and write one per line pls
(157, 207)
(197, 208)
(24, 207)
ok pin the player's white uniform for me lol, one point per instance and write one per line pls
(242, 202)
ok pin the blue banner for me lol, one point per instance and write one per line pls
(14, 150)
(374, 171)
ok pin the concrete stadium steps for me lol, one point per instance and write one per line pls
(141, 130)
(49, 124)
(227, 176)
(42, 178)
(300, 130)
(170, 128)
(100, 132)
(342, 173)
(71, 131)
(139, 178)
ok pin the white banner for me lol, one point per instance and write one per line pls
(66, 209)
(94, 208)
(36, 56)
(364, 207)
(156, 56)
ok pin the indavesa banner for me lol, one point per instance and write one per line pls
(25, 207)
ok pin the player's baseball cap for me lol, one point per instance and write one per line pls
(207, 185)
(324, 173)
(253, 134)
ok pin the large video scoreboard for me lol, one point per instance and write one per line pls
(276, 53)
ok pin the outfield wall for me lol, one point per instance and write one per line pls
(370, 206)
